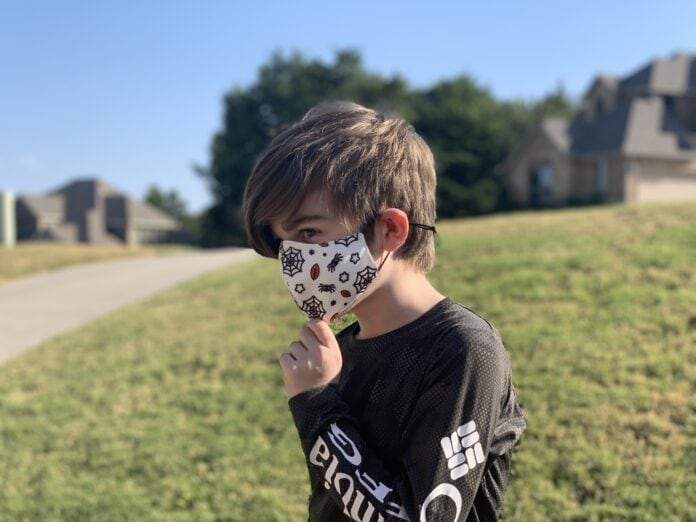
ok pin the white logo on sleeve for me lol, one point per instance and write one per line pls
(463, 450)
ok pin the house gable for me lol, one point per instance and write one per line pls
(600, 98)
(543, 152)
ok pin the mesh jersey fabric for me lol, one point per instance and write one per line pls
(419, 425)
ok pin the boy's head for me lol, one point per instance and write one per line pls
(360, 161)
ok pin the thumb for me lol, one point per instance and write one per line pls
(322, 332)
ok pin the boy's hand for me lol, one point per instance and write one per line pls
(312, 361)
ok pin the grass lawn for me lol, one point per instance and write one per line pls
(173, 409)
(31, 257)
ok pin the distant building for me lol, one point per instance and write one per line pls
(634, 140)
(91, 211)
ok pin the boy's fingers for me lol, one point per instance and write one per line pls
(322, 332)
(309, 339)
(287, 360)
(298, 350)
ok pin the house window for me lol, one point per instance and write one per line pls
(541, 185)
(601, 176)
(669, 103)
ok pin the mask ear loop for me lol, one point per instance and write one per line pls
(430, 228)
(383, 261)
(424, 227)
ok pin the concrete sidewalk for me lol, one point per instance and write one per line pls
(33, 309)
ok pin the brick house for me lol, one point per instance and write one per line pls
(634, 140)
(91, 211)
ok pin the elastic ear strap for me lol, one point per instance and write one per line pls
(417, 225)
(424, 227)
(383, 261)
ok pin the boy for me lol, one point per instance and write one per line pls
(409, 413)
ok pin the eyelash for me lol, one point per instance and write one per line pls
(311, 231)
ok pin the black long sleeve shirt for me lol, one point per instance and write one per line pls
(420, 424)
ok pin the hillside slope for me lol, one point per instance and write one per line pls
(173, 409)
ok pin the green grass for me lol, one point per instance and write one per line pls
(32, 257)
(173, 409)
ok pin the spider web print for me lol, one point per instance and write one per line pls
(313, 307)
(364, 278)
(291, 260)
(345, 241)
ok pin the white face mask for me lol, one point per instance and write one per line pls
(325, 279)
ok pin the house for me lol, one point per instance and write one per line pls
(634, 140)
(92, 211)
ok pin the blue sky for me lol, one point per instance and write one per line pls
(132, 91)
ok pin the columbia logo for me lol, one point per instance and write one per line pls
(463, 450)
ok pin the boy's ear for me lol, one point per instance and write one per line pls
(392, 229)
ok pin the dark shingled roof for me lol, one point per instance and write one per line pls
(99, 186)
(42, 205)
(674, 76)
(639, 126)
(604, 133)
(141, 212)
(639, 123)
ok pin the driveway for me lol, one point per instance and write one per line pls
(33, 309)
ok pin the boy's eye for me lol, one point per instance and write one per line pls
(308, 233)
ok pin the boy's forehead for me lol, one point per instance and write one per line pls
(316, 202)
(315, 205)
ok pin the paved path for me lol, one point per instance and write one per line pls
(33, 309)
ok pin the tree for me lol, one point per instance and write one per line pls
(286, 88)
(172, 204)
(471, 133)
(556, 103)
(168, 202)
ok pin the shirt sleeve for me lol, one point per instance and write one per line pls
(446, 440)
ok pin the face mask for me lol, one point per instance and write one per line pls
(325, 279)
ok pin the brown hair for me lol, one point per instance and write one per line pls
(364, 160)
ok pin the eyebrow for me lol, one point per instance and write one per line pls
(289, 225)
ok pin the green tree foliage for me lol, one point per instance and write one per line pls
(556, 103)
(286, 88)
(168, 202)
(172, 204)
(470, 132)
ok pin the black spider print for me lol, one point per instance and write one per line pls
(364, 278)
(345, 241)
(354, 258)
(299, 288)
(343, 277)
(334, 262)
(313, 307)
(291, 260)
(327, 288)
